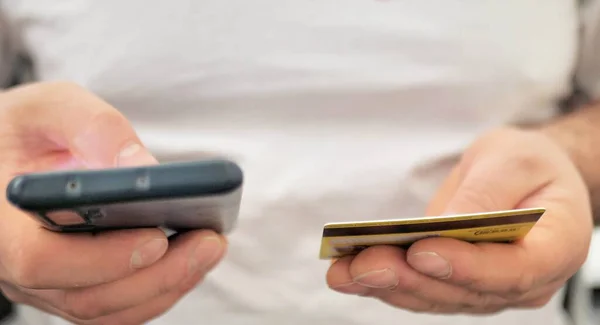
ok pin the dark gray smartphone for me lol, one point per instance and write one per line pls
(179, 196)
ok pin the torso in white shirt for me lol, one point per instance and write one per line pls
(336, 110)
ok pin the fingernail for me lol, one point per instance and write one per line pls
(351, 288)
(431, 264)
(133, 155)
(385, 278)
(148, 253)
(205, 254)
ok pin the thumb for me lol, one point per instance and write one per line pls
(498, 180)
(67, 117)
(493, 177)
(510, 170)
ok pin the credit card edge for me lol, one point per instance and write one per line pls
(497, 240)
(483, 215)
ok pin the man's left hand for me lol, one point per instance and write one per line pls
(505, 169)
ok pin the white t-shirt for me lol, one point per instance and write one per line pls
(336, 110)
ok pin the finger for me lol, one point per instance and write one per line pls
(68, 117)
(133, 316)
(18, 296)
(491, 177)
(496, 175)
(538, 298)
(136, 315)
(372, 266)
(410, 302)
(190, 257)
(24, 299)
(36, 258)
(507, 270)
(152, 309)
(475, 266)
(444, 193)
(383, 269)
(340, 279)
(499, 176)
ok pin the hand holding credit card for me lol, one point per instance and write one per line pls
(349, 238)
(454, 263)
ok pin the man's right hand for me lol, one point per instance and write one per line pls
(118, 277)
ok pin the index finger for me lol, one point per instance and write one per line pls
(65, 116)
(36, 258)
(509, 270)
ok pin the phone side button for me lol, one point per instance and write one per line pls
(63, 218)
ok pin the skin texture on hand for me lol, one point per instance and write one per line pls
(505, 169)
(117, 277)
(579, 135)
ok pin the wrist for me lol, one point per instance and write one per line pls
(578, 134)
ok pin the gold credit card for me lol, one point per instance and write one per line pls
(349, 238)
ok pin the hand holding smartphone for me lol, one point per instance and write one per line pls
(178, 196)
(47, 125)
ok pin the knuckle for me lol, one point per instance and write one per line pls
(521, 287)
(190, 284)
(487, 301)
(479, 193)
(470, 281)
(476, 299)
(169, 282)
(108, 117)
(528, 162)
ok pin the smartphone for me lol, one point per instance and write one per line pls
(178, 196)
